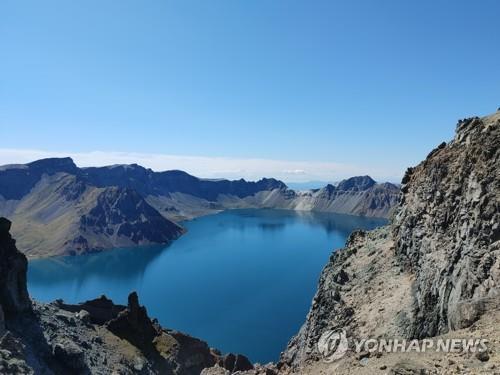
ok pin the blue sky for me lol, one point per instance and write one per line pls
(302, 90)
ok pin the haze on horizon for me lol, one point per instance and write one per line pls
(295, 90)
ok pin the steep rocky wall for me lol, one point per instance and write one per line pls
(446, 228)
(436, 267)
(14, 297)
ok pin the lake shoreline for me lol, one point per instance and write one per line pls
(239, 263)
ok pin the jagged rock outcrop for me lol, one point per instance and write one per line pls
(447, 228)
(435, 268)
(134, 325)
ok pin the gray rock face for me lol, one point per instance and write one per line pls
(447, 227)
(14, 301)
(123, 213)
(14, 297)
(435, 268)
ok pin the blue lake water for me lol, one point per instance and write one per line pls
(242, 280)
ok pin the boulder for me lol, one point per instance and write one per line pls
(465, 313)
(70, 355)
(483, 356)
(242, 363)
(236, 362)
(84, 316)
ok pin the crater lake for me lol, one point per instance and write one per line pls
(242, 280)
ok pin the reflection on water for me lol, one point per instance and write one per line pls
(242, 280)
(112, 266)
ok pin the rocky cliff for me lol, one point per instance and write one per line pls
(360, 196)
(13, 267)
(64, 215)
(433, 271)
(126, 219)
(447, 228)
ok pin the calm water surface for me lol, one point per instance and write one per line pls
(242, 280)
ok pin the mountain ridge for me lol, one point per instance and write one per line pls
(149, 204)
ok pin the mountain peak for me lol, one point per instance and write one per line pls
(51, 165)
(357, 183)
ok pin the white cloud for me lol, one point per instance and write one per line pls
(210, 167)
(294, 171)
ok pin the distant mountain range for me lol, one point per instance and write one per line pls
(58, 208)
(308, 185)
